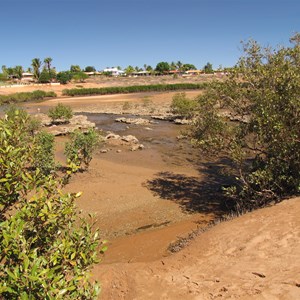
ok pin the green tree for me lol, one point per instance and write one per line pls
(162, 67)
(173, 66)
(208, 68)
(129, 70)
(47, 62)
(187, 67)
(44, 77)
(63, 77)
(179, 65)
(90, 69)
(149, 68)
(80, 76)
(260, 131)
(36, 65)
(18, 71)
(75, 69)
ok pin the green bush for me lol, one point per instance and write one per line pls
(44, 152)
(46, 249)
(81, 147)
(64, 77)
(183, 106)
(260, 131)
(80, 76)
(60, 112)
(45, 77)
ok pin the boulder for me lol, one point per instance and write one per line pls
(112, 136)
(130, 139)
(137, 147)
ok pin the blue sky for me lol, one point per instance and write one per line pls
(137, 32)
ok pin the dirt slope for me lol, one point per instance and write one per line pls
(256, 256)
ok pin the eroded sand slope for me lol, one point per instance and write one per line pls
(256, 256)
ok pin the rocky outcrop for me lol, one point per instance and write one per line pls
(137, 121)
(127, 140)
(76, 122)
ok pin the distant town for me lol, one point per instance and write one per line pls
(44, 72)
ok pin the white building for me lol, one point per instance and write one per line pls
(114, 71)
(26, 76)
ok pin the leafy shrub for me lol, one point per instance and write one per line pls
(44, 77)
(80, 149)
(183, 106)
(260, 131)
(46, 249)
(44, 152)
(80, 76)
(63, 77)
(60, 112)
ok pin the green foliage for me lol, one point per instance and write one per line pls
(187, 67)
(90, 69)
(129, 70)
(80, 76)
(25, 97)
(46, 249)
(253, 117)
(18, 71)
(44, 77)
(134, 89)
(36, 65)
(162, 67)
(63, 77)
(183, 106)
(80, 149)
(3, 77)
(44, 152)
(208, 68)
(75, 69)
(60, 112)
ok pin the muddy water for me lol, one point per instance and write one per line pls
(160, 137)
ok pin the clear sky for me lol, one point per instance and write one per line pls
(105, 33)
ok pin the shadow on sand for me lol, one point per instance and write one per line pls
(194, 194)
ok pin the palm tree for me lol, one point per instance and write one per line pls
(18, 71)
(179, 65)
(36, 65)
(47, 62)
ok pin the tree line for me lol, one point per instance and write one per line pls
(44, 72)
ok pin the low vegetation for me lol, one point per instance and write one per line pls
(133, 89)
(46, 248)
(26, 97)
(60, 112)
(183, 106)
(80, 148)
(258, 125)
